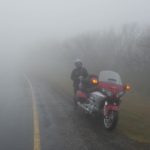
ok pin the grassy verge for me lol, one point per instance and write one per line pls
(134, 117)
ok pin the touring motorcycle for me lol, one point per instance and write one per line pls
(105, 99)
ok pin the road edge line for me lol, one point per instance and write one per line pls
(36, 124)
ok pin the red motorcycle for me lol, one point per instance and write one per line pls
(104, 99)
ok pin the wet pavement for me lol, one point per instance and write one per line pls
(61, 126)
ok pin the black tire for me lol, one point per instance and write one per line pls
(75, 102)
(111, 123)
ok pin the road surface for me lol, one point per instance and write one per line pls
(60, 126)
(16, 119)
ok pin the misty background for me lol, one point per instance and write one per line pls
(42, 38)
(45, 37)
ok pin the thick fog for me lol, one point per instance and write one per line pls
(24, 21)
(39, 43)
(44, 34)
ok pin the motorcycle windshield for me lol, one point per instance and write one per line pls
(110, 77)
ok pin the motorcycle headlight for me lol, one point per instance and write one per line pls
(108, 93)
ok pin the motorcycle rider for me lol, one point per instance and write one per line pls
(77, 73)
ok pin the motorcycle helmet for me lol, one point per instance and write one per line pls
(78, 63)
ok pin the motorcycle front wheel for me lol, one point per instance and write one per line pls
(111, 120)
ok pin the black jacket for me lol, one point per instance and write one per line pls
(76, 73)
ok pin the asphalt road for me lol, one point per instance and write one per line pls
(61, 127)
(16, 121)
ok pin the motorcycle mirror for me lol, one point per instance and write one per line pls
(127, 87)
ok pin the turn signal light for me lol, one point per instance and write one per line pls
(94, 81)
(127, 87)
